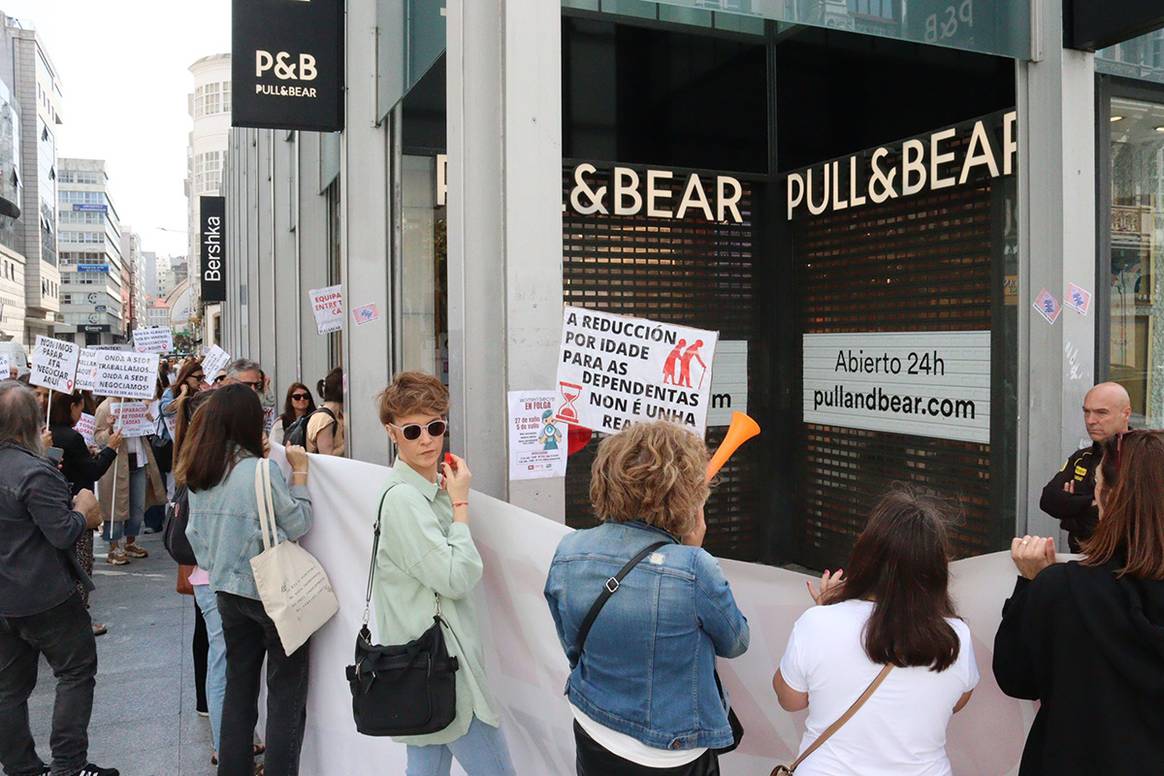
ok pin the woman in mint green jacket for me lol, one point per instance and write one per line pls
(426, 552)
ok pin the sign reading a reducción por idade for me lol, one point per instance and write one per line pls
(614, 371)
(932, 384)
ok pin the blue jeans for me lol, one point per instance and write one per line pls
(138, 480)
(215, 659)
(481, 752)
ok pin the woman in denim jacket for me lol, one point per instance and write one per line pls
(217, 462)
(643, 689)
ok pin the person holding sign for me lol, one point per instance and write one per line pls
(642, 687)
(131, 486)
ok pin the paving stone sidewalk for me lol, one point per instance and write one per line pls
(144, 721)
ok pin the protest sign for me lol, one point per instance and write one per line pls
(327, 304)
(155, 340)
(86, 427)
(54, 364)
(4, 367)
(537, 443)
(87, 370)
(215, 360)
(365, 314)
(133, 418)
(268, 419)
(127, 375)
(615, 370)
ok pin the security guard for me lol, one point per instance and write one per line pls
(1070, 495)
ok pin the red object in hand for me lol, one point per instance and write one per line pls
(577, 438)
(449, 460)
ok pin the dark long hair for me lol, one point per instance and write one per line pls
(230, 421)
(1131, 531)
(61, 411)
(901, 563)
(288, 415)
(192, 365)
(331, 388)
(187, 406)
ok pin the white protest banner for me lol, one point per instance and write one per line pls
(133, 418)
(526, 668)
(614, 370)
(537, 443)
(158, 339)
(127, 375)
(87, 369)
(4, 366)
(327, 304)
(54, 364)
(932, 384)
(215, 360)
(86, 427)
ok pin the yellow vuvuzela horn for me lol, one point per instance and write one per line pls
(741, 430)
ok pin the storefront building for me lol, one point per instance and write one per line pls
(865, 199)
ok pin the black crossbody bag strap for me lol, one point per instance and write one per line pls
(609, 589)
(364, 632)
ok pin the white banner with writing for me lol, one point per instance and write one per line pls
(158, 339)
(527, 669)
(922, 383)
(54, 364)
(327, 304)
(127, 375)
(134, 418)
(215, 360)
(87, 366)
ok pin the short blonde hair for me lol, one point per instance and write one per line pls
(655, 472)
(412, 392)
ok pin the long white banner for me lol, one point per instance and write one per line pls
(527, 669)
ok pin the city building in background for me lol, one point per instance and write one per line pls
(12, 260)
(134, 259)
(150, 285)
(95, 274)
(37, 88)
(209, 108)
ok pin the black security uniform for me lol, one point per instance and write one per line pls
(1076, 511)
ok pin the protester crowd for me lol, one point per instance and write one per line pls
(881, 660)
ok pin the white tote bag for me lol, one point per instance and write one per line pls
(294, 588)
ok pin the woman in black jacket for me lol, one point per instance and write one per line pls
(81, 467)
(1086, 639)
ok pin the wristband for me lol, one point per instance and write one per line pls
(460, 504)
(293, 473)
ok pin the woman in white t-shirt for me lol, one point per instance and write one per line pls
(893, 607)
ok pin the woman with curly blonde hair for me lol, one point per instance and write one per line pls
(642, 612)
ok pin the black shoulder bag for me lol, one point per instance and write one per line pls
(174, 529)
(609, 589)
(402, 690)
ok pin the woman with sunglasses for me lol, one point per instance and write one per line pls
(426, 560)
(1086, 638)
(299, 403)
(325, 429)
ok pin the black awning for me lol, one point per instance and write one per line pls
(9, 208)
(1089, 25)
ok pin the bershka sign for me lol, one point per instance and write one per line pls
(944, 159)
(931, 384)
(213, 235)
(287, 64)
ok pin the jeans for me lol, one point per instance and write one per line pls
(215, 658)
(250, 636)
(481, 752)
(593, 760)
(64, 635)
(112, 532)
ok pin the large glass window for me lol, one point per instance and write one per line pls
(1136, 254)
(422, 315)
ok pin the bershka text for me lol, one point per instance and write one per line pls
(212, 242)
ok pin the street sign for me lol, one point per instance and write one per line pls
(92, 267)
(89, 208)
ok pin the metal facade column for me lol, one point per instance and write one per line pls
(1056, 104)
(505, 227)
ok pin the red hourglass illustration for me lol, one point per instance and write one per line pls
(570, 392)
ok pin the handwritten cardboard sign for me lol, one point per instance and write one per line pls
(54, 364)
(127, 375)
(156, 340)
(133, 418)
(215, 360)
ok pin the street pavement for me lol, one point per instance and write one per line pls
(144, 721)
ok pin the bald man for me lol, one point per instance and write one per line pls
(1070, 495)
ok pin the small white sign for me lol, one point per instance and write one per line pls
(327, 304)
(127, 375)
(215, 360)
(537, 442)
(932, 384)
(615, 370)
(268, 419)
(156, 340)
(729, 382)
(5, 368)
(87, 369)
(86, 427)
(133, 418)
(54, 364)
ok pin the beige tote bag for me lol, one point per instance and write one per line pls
(294, 588)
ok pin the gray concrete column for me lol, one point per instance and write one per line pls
(505, 227)
(1056, 105)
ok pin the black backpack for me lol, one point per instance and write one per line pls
(174, 531)
(296, 433)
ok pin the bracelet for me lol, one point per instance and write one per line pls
(460, 504)
(293, 473)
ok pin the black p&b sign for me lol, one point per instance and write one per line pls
(287, 64)
(213, 235)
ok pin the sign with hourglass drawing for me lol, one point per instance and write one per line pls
(615, 370)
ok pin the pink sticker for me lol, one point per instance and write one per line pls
(1078, 299)
(365, 314)
(1048, 306)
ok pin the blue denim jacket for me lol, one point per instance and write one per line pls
(647, 669)
(223, 526)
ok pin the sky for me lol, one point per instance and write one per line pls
(123, 66)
